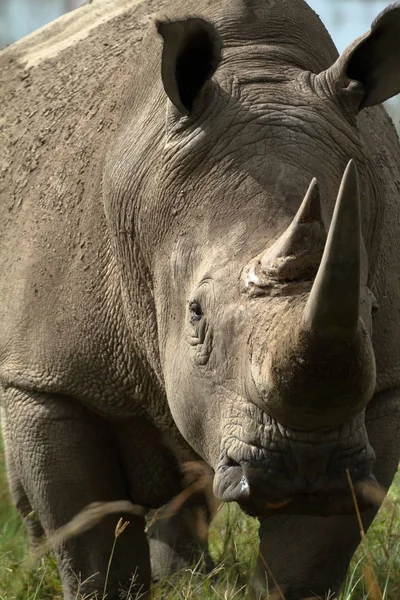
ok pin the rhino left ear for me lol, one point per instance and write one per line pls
(369, 70)
(190, 57)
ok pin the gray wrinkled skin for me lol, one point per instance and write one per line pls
(183, 332)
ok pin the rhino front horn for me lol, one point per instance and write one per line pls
(332, 309)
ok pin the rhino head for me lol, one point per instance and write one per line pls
(260, 209)
(279, 366)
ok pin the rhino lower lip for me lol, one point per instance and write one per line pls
(367, 496)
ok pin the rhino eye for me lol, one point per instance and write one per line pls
(196, 312)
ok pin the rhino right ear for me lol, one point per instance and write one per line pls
(190, 57)
(368, 71)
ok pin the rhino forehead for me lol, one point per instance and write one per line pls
(248, 22)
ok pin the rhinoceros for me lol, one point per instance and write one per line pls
(199, 261)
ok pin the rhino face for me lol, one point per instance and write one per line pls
(267, 377)
(263, 310)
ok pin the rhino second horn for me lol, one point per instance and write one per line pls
(297, 253)
(333, 306)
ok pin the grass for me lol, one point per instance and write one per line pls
(233, 545)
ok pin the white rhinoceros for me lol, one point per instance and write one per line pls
(200, 259)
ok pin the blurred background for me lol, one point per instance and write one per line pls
(345, 20)
(20, 17)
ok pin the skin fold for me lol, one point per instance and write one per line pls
(210, 274)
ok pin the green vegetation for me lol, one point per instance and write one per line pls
(233, 542)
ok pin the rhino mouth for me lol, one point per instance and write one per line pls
(263, 496)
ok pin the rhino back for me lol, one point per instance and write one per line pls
(62, 326)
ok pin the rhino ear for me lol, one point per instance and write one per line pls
(190, 57)
(369, 70)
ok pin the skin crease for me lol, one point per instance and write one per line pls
(105, 368)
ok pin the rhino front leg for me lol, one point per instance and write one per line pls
(64, 458)
(180, 540)
(18, 493)
(309, 556)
